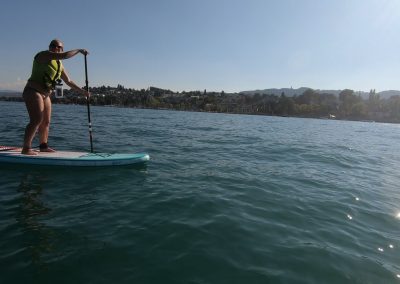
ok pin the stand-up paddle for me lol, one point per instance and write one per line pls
(88, 107)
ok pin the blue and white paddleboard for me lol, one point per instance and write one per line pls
(67, 158)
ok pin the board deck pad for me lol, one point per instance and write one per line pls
(70, 158)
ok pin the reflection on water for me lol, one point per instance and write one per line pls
(37, 237)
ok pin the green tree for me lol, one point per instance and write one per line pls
(374, 102)
(393, 108)
(308, 97)
(347, 99)
(286, 105)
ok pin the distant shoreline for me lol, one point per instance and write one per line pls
(347, 105)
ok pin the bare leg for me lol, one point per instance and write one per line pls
(35, 106)
(45, 125)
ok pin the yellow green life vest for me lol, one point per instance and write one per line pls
(46, 74)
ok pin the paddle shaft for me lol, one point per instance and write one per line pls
(88, 107)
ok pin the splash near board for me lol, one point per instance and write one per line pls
(69, 158)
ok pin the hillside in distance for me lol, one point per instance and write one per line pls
(290, 92)
(9, 93)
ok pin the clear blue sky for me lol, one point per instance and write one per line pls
(230, 45)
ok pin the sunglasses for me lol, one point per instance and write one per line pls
(57, 46)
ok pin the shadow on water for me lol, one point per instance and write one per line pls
(37, 237)
(54, 211)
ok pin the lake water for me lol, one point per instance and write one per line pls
(224, 199)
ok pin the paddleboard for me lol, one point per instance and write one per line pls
(68, 158)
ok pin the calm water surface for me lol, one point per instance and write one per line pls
(224, 199)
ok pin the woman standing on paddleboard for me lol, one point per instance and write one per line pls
(46, 72)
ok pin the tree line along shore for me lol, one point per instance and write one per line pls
(347, 105)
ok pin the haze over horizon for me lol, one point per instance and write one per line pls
(216, 45)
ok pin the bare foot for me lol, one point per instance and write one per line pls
(28, 152)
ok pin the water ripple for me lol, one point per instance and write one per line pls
(224, 199)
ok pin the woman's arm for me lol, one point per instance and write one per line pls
(46, 56)
(72, 85)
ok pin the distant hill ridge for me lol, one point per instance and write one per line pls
(290, 92)
(9, 93)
